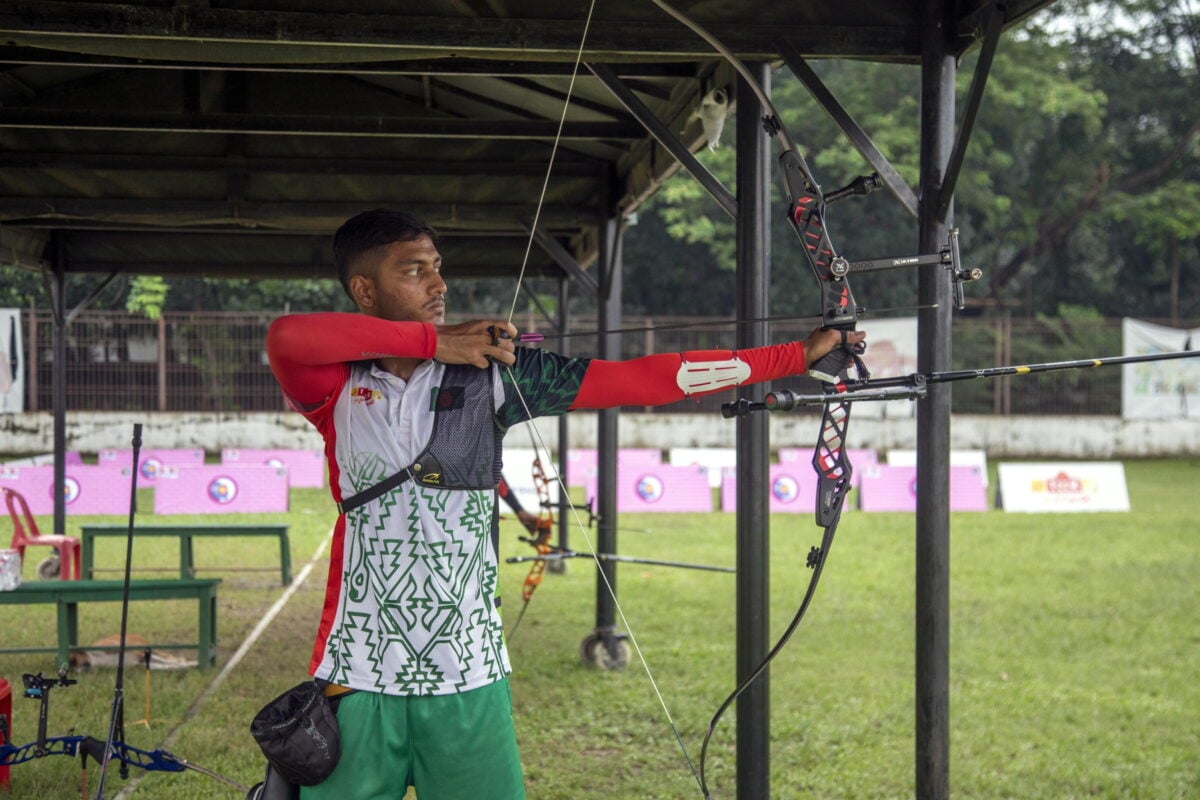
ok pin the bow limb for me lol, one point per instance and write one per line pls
(539, 537)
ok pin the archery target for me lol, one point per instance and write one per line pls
(222, 489)
(650, 488)
(785, 488)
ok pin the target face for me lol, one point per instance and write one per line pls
(70, 490)
(151, 468)
(785, 488)
(222, 489)
(649, 488)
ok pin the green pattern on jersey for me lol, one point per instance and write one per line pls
(407, 586)
(547, 381)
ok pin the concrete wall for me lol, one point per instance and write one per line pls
(1000, 437)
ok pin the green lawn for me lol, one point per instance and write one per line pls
(1074, 652)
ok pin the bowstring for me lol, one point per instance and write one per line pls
(612, 592)
(540, 445)
(562, 121)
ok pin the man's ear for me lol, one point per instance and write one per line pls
(362, 291)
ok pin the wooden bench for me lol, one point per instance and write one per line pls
(69, 594)
(186, 535)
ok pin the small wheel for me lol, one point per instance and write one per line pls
(50, 568)
(604, 651)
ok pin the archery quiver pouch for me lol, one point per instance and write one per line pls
(298, 733)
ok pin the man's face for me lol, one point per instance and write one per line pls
(405, 284)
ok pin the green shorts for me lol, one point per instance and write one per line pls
(450, 747)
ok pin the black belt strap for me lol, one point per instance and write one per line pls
(378, 490)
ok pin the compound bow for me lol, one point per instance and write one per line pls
(37, 687)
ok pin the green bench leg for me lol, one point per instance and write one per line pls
(285, 558)
(207, 655)
(187, 563)
(68, 631)
(89, 556)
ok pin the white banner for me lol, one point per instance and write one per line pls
(1159, 389)
(12, 362)
(1063, 486)
(891, 351)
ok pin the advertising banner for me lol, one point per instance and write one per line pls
(12, 362)
(1159, 389)
(1063, 486)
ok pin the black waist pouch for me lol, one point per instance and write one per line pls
(298, 733)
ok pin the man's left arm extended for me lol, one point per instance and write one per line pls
(668, 377)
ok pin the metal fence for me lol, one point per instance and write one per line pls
(215, 361)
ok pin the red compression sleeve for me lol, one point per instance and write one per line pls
(656, 380)
(308, 351)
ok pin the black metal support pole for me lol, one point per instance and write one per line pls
(116, 724)
(607, 431)
(932, 622)
(59, 382)
(564, 428)
(753, 443)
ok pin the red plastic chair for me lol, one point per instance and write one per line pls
(26, 534)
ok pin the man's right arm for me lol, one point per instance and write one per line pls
(309, 352)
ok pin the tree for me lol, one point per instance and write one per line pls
(1075, 186)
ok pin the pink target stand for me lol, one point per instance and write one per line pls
(306, 468)
(221, 489)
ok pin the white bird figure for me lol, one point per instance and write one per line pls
(714, 108)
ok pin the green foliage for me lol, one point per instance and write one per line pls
(147, 295)
(1168, 214)
(1088, 120)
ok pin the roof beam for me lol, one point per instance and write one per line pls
(32, 56)
(314, 217)
(311, 125)
(331, 165)
(187, 31)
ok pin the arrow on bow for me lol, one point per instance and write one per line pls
(912, 386)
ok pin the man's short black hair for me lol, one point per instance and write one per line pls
(371, 229)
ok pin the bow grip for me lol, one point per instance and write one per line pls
(830, 367)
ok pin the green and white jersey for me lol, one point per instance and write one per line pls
(409, 605)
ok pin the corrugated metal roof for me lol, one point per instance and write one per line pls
(231, 138)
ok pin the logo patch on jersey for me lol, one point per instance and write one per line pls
(365, 394)
(448, 398)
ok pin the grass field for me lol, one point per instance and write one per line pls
(1075, 647)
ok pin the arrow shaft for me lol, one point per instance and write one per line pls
(623, 559)
(1020, 369)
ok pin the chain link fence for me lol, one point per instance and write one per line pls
(215, 361)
